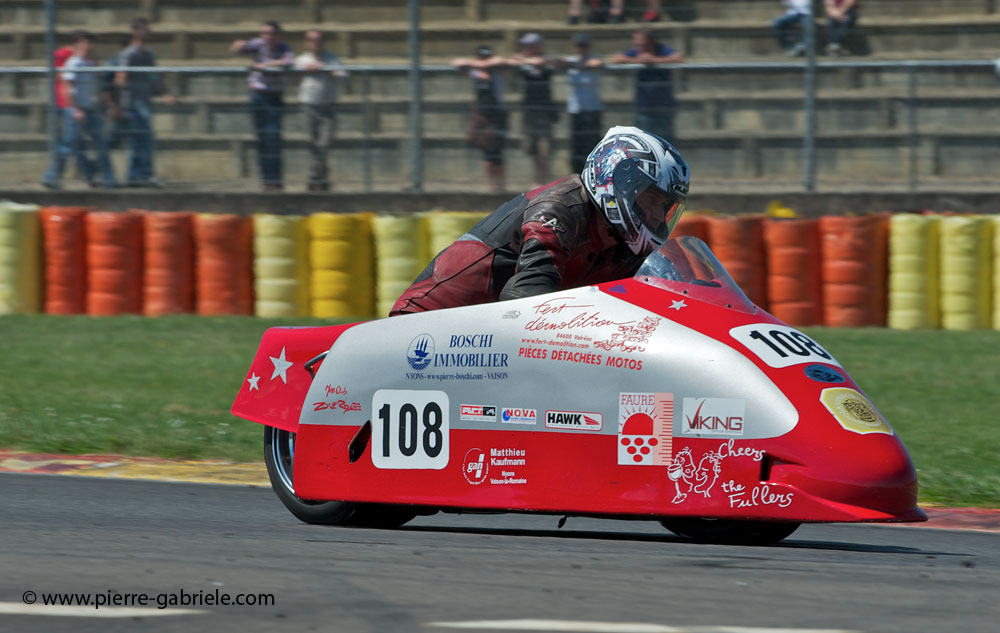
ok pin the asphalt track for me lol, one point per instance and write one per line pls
(82, 535)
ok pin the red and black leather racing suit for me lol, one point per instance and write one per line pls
(545, 240)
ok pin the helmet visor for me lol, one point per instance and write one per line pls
(659, 210)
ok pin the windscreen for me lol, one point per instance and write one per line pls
(685, 265)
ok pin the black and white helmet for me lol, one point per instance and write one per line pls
(640, 182)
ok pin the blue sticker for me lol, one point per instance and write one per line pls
(420, 353)
(822, 373)
(620, 289)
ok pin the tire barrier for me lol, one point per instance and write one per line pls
(114, 263)
(20, 259)
(64, 239)
(694, 225)
(854, 270)
(905, 270)
(281, 265)
(914, 264)
(223, 264)
(168, 258)
(995, 221)
(400, 255)
(445, 227)
(793, 271)
(966, 281)
(341, 266)
(738, 242)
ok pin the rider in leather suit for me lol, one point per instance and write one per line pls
(581, 230)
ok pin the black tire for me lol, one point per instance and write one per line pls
(729, 531)
(279, 455)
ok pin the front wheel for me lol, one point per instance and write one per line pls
(729, 531)
(279, 455)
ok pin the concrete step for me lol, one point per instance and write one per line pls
(852, 157)
(702, 40)
(118, 13)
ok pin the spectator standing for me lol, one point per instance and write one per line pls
(318, 96)
(266, 97)
(488, 116)
(841, 15)
(796, 13)
(614, 15)
(654, 86)
(114, 104)
(138, 90)
(538, 110)
(584, 104)
(80, 117)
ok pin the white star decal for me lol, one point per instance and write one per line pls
(280, 366)
(253, 380)
(676, 305)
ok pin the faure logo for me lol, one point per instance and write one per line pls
(420, 352)
(478, 413)
(576, 420)
(475, 466)
(519, 416)
(713, 417)
(645, 429)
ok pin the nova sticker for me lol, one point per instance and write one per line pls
(853, 411)
(574, 420)
(477, 413)
(518, 416)
(645, 428)
(712, 417)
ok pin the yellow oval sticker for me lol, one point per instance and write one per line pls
(853, 411)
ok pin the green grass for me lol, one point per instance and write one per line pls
(164, 386)
(131, 385)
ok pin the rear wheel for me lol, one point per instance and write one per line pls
(729, 531)
(279, 455)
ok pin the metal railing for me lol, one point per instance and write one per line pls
(909, 86)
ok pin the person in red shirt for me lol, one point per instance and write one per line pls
(59, 57)
(584, 229)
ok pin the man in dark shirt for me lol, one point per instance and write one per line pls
(488, 116)
(137, 92)
(538, 110)
(654, 87)
(266, 102)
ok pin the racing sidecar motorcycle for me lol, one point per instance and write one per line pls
(668, 396)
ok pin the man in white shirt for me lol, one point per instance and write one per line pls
(785, 27)
(80, 117)
(318, 96)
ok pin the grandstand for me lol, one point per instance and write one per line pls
(738, 128)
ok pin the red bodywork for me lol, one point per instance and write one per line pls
(831, 474)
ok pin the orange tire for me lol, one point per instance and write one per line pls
(64, 238)
(114, 263)
(793, 267)
(168, 274)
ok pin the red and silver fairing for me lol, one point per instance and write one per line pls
(668, 394)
